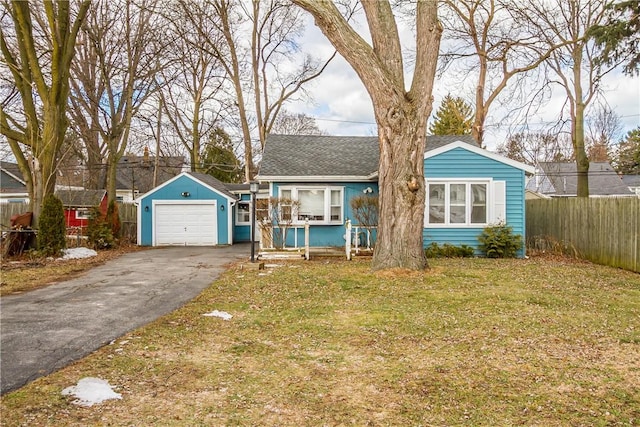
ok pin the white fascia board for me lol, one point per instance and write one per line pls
(482, 152)
(317, 178)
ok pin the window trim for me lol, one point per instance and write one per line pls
(243, 202)
(326, 189)
(447, 182)
(83, 213)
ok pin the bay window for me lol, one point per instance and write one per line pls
(316, 204)
(458, 203)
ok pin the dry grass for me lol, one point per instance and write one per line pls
(470, 342)
(25, 273)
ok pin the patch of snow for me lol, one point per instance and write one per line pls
(90, 391)
(77, 253)
(221, 314)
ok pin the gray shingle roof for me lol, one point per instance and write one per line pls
(631, 180)
(137, 171)
(11, 178)
(80, 198)
(561, 179)
(330, 156)
(213, 183)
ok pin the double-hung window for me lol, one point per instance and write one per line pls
(459, 203)
(243, 212)
(316, 204)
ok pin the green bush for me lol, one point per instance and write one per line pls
(448, 251)
(99, 231)
(51, 227)
(498, 241)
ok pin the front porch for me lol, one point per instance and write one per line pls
(359, 243)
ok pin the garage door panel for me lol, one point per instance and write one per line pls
(185, 224)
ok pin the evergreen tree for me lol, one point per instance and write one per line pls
(620, 37)
(219, 160)
(454, 117)
(52, 228)
(628, 159)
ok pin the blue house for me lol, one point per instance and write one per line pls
(191, 209)
(467, 187)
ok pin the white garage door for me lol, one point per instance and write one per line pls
(185, 224)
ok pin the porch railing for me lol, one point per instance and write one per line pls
(357, 238)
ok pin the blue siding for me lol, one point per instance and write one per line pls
(455, 164)
(241, 232)
(460, 163)
(328, 235)
(173, 191)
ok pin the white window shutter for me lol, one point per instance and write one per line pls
(499, 205)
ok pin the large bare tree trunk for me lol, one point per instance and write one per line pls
(42, 79)
(401, 116)
(401, 186)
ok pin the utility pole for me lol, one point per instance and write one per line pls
(157, 159)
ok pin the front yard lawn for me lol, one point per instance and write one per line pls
(542, 342)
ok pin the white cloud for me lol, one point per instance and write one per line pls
(339, 98)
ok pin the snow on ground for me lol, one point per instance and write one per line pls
(77, 253)
(221, 314)
(90, 391)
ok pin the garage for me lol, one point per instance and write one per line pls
(191, 209)
(185, 224)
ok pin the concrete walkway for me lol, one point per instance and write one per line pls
(46, 329)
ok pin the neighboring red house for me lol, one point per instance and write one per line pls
(78, 203)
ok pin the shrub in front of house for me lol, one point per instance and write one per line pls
(51, 227)
(499, 241)
(99, 231)
(448, 250)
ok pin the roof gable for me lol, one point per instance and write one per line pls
(208, 181)
(479, 151)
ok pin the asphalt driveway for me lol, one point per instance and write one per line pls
(46, 329)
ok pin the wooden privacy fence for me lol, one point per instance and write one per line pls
(603, 230)
(128, 221)
(126, 211)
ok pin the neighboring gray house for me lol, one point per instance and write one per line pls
(135, 174)
(559, 179)
(633, 182)
(13, 188)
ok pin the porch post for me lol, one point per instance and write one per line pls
(347, 243)
(306, 240)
